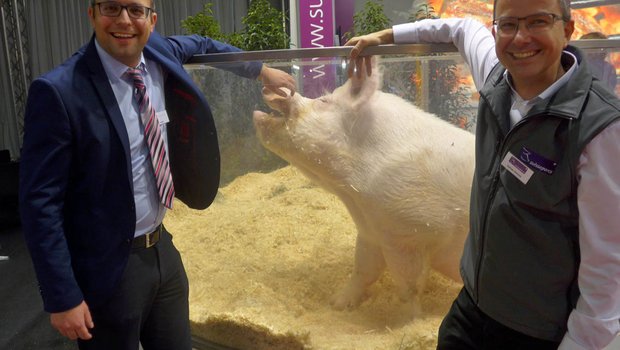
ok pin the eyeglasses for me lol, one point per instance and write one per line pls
(536, 23)
(114, 9)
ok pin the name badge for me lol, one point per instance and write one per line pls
(538, 162)
(517, 168)
(162, 117)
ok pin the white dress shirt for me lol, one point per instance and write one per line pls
(595, 321)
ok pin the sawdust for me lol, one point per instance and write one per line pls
(265, 259)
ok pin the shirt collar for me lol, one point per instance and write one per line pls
(552, 89)
(113, 67)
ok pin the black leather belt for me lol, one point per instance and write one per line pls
(147, 240)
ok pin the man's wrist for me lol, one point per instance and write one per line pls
(386, 36)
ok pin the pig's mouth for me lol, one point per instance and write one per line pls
(269, 127)
(273, 114)
(261, 116)
(268, 122)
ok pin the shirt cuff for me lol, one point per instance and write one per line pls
(569, 344)
(404, 34)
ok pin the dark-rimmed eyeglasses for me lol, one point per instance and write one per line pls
(536, 23)
(114, 9)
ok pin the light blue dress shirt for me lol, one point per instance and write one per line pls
(149, 209)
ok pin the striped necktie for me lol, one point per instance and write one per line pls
(153, 137)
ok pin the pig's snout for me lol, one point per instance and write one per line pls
(277, 102)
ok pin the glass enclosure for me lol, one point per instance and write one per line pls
(268, 258)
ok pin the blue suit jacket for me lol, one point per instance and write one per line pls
(76, 195)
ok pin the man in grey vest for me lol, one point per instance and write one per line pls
(541, 264)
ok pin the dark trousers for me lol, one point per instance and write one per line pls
(466, 327)
(150, 305)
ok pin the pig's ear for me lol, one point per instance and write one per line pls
(362, 87)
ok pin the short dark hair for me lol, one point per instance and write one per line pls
(94, 2)
(564, 8)
(594, 35)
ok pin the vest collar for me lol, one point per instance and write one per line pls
(567, 102)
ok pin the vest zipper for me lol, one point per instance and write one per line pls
(499, 151)
(483, 230)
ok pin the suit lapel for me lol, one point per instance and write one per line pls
(108, 100)
(192, 138)
(169, 66)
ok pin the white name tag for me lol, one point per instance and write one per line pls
(162, 117)
(517, 168)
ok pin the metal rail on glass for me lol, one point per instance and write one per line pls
(582, 4)
(343, 51)
(339, 51)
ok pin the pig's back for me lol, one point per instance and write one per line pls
(422, 166)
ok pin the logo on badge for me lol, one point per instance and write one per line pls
(517, 168)
(537, 161)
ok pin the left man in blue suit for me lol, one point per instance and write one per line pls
(90, 202)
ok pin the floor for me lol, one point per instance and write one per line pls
(23, 324)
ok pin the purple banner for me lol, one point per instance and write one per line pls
(316, 23)
(316, 29)
(344, 17)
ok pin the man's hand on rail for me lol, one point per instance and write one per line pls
(356, 61)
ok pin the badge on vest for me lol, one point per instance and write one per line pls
(537, 162)
(517, 168)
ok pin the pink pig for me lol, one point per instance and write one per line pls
(403, 174)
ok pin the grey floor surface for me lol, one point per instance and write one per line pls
(23, 324)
